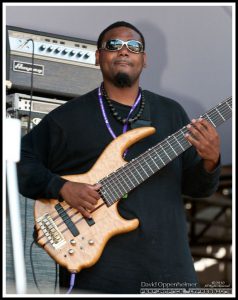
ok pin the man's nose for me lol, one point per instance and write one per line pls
(123, 50)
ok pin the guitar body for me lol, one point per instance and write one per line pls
(84, 248)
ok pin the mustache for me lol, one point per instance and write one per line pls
(122, 60)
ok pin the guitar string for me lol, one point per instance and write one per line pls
(145, 167)
(62, 230)
(162, 146)
(114, 196)
(118, 184)
(112, 179)
(169, 146)
(81, 218)
(69, 208)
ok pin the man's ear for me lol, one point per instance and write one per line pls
(145, 60)
(97, 58)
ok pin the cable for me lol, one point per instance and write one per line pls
(33, 270)
(72, 280)
(32, 267)
(32, 73)
(56, 276)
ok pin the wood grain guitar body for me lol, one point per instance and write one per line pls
(76, 242)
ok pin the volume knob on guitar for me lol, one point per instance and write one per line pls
(91, 242)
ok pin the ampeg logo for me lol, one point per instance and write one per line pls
(24, 67)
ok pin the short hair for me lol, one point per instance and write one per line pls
(119, 24)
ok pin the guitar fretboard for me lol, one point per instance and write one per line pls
(126, 178)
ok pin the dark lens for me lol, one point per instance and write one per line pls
(135, 46)
(113, 45)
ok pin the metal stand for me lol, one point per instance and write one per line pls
(12, 155)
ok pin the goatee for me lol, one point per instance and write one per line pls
(122, 80)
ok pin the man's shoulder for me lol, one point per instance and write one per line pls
(162, 101)
(81, 100)
(78, 103)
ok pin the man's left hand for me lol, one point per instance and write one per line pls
(204, 137)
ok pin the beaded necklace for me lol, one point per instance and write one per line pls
(115, 113)
(125, 127)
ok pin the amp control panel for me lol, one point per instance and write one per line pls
(54, 48)
(63, 66)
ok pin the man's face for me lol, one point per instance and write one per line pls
(122, 61)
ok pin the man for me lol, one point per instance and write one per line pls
(70, 139)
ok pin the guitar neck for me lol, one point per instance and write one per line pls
(126, 178)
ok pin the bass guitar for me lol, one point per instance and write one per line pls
(76, 242)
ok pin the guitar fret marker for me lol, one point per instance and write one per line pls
(154, 162)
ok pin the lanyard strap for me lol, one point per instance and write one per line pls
(125, 127)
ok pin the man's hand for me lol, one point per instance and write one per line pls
(81, 196)
(204, 137)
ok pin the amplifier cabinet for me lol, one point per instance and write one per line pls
(62, 66)
(27, 109)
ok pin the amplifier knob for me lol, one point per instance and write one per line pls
(42, 47)
(80, 53)
(65, 51)
(50, 49)
(57, 50)
(72, 53)
(86, 55)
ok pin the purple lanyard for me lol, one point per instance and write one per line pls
(125, 127)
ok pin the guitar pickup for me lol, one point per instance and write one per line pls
(65, 217)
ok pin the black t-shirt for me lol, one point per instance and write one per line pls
(70, 139)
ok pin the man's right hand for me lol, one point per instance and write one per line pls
(81, 196)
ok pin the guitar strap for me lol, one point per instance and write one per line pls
(145, 119)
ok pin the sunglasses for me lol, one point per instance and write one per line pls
(116, 44)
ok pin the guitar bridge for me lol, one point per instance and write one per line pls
(51, 231)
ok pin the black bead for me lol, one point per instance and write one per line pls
(115, 113)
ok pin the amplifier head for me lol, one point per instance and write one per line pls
(61, 65)
(30, 109)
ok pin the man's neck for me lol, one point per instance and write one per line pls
(126, 95)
